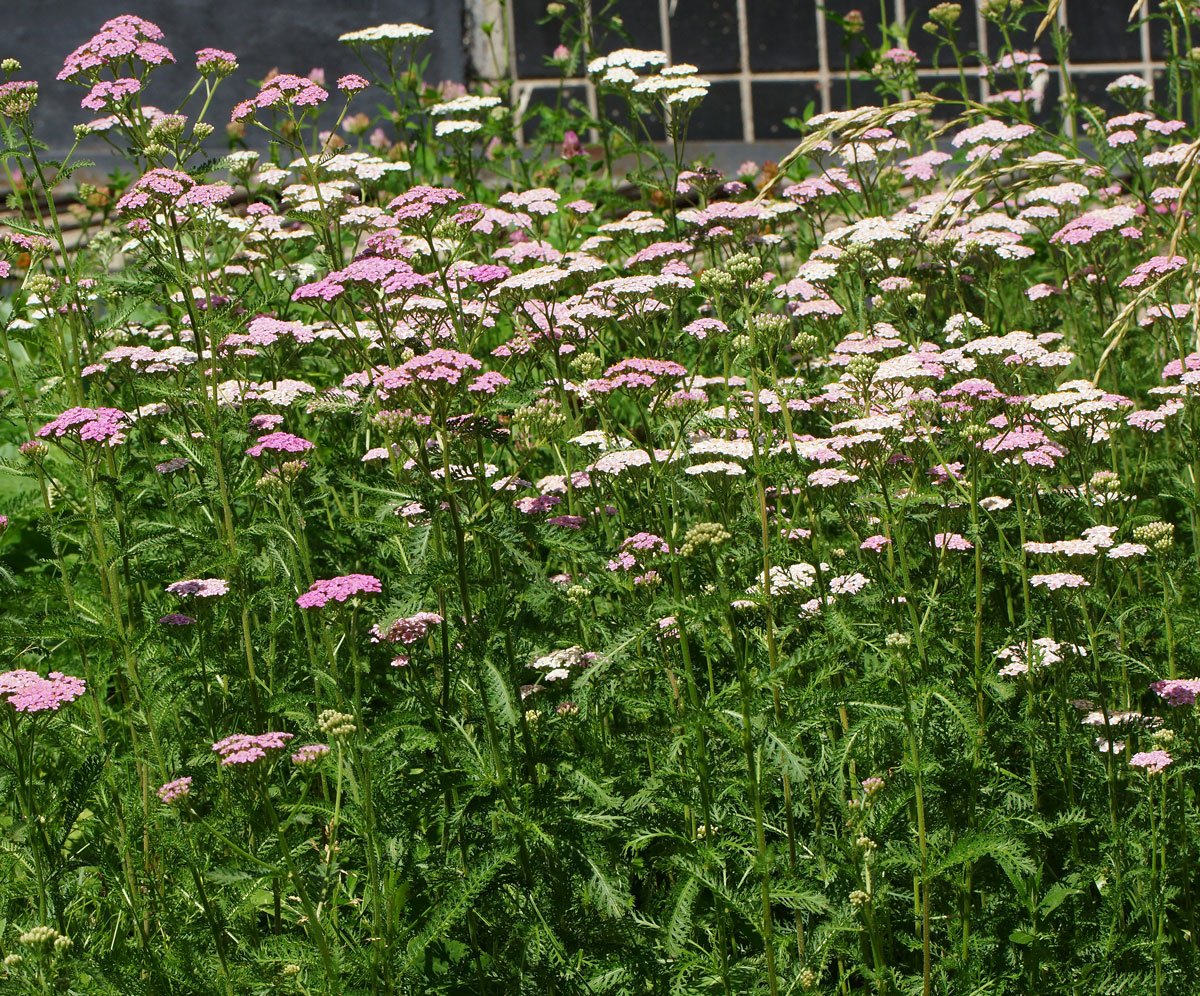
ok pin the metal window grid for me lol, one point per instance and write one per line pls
(826, 77)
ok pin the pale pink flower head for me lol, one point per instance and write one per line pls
(536, 504)
(406, 630)
(338, 590)
(702, 328)
(1156, 266)
(1177, 691)
(279, 442)
(1038, 654)
(951, 541)
(28, 691)
(1152, 762)
(352, 84)
(310, 754)
(874, 543)
(421, 201)
(560, 664)
(848, 584)
(1060, 579)
(899, 56)
(646, 543)
(172, 792)
(828, 477)
(488, 383)
(266, 423)
(246, 749)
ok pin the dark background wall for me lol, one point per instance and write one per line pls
(767, 59)
(293, 37)
(771, 59)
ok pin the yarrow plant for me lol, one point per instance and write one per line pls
(460, 546)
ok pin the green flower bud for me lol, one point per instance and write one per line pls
(863, 369)
(744, 267)
(702, 534)
(716, 283)
(946, 14)
(336, 725)
(40, 284)
(805, 343)
(1159, 536)
(586, 365)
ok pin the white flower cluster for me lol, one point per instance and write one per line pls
(386, 33)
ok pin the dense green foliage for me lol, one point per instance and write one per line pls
(436, 564)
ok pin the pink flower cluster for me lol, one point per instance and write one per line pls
(215, 60)
(1060, 579)
(172, 792)
(279, 442)
(123, 39)
(339, 589)
(352, 83)
(1030, 444)
(1157, 266)
(1177, 691)
(156, 188)
(951, 541)
(392, 276)
(1153, 761)
(646, 543)
(536, 504)
(101, 425)
(438, 367)
(488, 383)
(636, 372)
(1089, 225)
(284, 89)
(310, 753)
(28, 691)
(17, 98)
(421, 201)
(110, 92)
(407, 630)
(244, 748)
